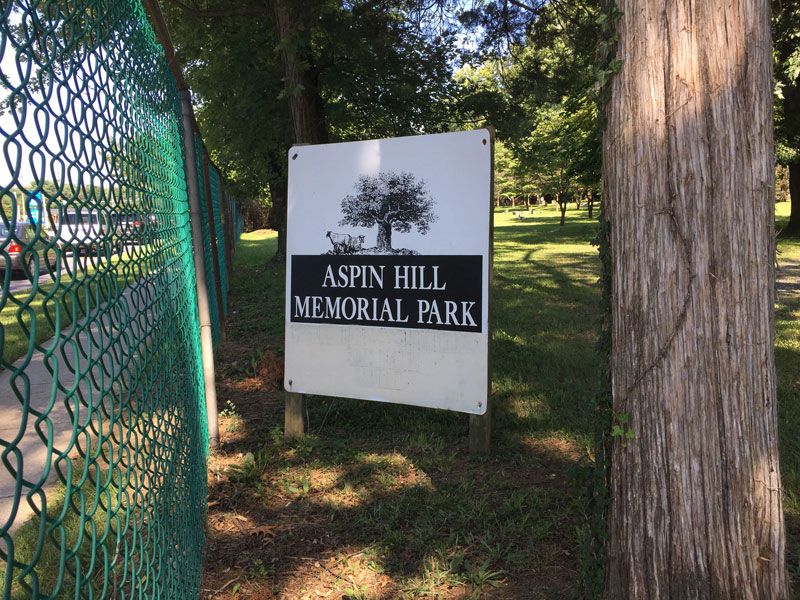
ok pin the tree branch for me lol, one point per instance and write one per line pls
(196, 11)
(524, 6)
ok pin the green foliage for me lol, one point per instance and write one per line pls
(378, 76)
(541, 96)
(232, 68)
(246, 472)
(786, 36)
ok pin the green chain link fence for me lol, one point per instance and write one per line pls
(103, 430)
(238, 226)
(216, 200)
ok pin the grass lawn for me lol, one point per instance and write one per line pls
(787, 356)
(384, 501)
(788, 248)
(27, 317)
(55, 574)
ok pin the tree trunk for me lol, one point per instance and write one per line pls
(793, 228)
(688, 172)
(277, 181)
(277, 190)
(590, 202)
(562, 204)
(384, 241)
(301, 78)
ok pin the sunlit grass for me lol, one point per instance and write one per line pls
(787, 358)
(78, 290)
(257, 296)
(396, 483)
(396, 505)
(50, 545)
(788, 248)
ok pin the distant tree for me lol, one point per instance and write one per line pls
(269, 73)
(390, 201)
(535, 82)
(786, 31)
(506, 167)
(590, 200)
(563, 198)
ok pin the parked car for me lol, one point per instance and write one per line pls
(81, 231)
(128, 228)
(24, 247)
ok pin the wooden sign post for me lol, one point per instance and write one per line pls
(294, 421)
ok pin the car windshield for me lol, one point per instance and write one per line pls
(22, 231)
(82, 218)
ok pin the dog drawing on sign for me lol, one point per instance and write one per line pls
(344, 243)
(356, 244)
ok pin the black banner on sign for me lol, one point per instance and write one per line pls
(415, 292)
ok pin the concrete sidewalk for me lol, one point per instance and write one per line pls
(65, 389)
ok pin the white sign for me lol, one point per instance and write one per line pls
(388, 270)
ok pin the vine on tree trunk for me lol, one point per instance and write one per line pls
(593, 559)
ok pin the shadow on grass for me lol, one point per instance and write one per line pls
(424, 512)
(787, 359)
(393, 485)
(384, 500)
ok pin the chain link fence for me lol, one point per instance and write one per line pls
(103, 426)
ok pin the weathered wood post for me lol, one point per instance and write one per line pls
(293, 420)
(480, 432)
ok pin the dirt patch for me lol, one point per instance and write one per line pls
(557, 449)
(788, 279)
(267, 376)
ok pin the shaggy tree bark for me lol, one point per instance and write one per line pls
(688, 174)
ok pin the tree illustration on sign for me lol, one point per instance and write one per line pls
(392, 201)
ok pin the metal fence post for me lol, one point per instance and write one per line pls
(229, 233)
(206, 341)
(212, 227)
